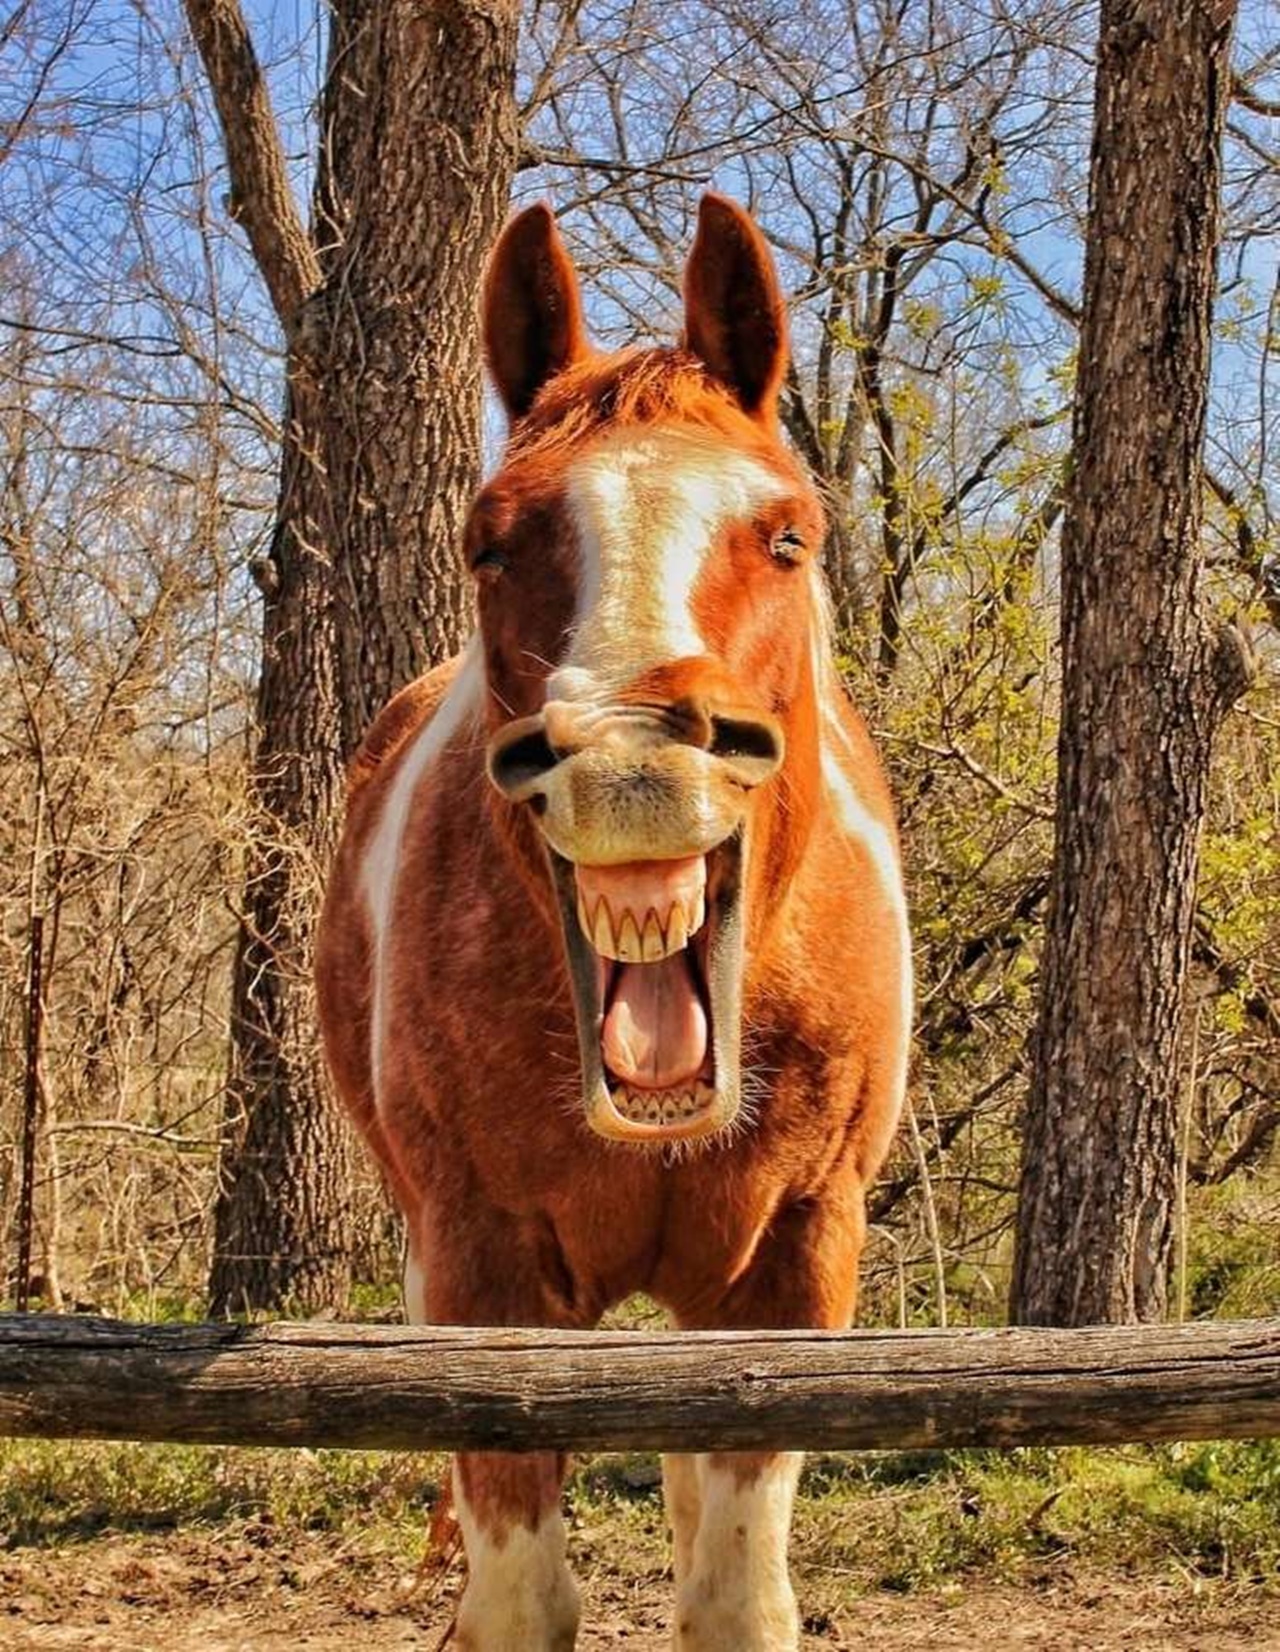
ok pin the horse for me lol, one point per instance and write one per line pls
(613, 968)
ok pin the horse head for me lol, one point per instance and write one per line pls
(652, 619)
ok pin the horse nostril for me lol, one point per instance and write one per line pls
(516, 767)
(745, 737)
(752, 748)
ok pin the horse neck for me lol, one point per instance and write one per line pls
(786, 815)
(520, 851)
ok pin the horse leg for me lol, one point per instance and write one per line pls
(519, 1591)
(736, 1593)
(682, 1501)
(732, 1524)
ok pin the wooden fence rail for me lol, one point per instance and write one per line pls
(315, 1384)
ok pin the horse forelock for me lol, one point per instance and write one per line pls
(630, 388)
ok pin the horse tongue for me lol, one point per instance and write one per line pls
(655, 1031)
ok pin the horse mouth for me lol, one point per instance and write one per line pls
(655, 961)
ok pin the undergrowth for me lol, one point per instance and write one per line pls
(898, 1521)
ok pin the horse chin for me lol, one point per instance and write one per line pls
(696, 1107)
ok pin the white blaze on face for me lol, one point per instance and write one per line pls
(647, 506)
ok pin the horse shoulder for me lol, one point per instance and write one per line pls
(863, 859)
(402, 717)
(347, 935)
(852, 770)
(371, 787)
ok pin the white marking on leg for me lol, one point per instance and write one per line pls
(681, 1501)
(647, 507)
(382, 859)
(519, 1591)
(738, 1595)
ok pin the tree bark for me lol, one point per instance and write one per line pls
(1145, 684)
(362, 588)
(420, 128)
(282, 1221)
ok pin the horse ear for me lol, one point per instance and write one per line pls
(735, 316)
(532, 309)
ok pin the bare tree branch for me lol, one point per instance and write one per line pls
(1245, 95)
(262, 200)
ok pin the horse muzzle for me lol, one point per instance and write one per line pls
(645, 816)
(620, 783)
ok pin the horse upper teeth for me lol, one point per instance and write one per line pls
(628, 940)
(632, 939)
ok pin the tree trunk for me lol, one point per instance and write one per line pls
(1145, 684)
(282, 1222)
(362, 589)
(421, 135)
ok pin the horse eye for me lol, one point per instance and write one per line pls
(489, 558)
(787, 546)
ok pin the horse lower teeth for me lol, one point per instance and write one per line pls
(668, 1107)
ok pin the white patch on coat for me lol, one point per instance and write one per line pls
(737, 1596)
(414, 1290)
(519, 1592)
(872, 835)
(383, 856)
(646, 507)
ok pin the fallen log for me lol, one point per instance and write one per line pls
(429, 1388)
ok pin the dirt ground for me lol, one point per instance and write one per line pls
(190, 1589)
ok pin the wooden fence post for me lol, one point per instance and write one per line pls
(443, 1388)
